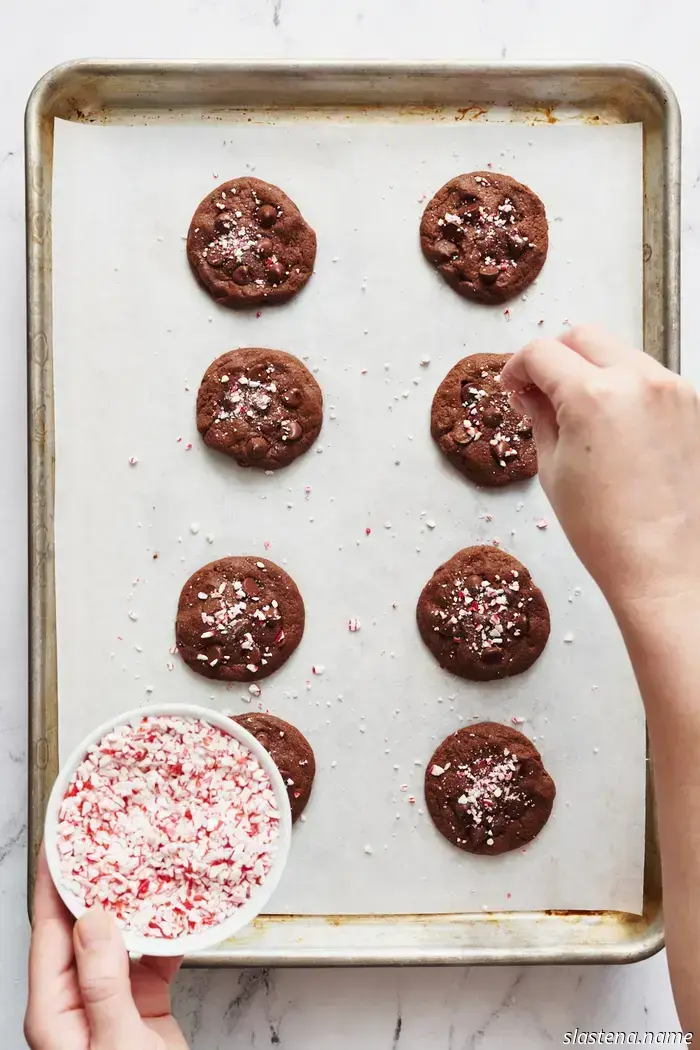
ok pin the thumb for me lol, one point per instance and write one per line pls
(103, 977)
(533, 403)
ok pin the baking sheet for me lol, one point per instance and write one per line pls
(132, 336)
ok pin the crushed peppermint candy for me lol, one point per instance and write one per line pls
(488, 415)
(169, 825)
(133, 460)
(483, 614)
(354, 624)
(542, 524)
(492, 793)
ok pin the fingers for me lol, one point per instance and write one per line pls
(533, 403)
(47, 903)
(150, 985)
(165, 967)
(600, 347)
(51, 949)
(103, 977)
(553, 368)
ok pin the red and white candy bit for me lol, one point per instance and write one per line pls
(169, 825)
(354, 624)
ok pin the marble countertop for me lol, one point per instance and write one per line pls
(390, 1009)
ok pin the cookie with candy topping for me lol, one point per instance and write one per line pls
(481, 615)
(239, 619)
(474, 425)
(486, 234)
(262, 407)
(290, 751)
(487, 790)
(249, 244)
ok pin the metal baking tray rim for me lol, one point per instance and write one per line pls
(70, 91)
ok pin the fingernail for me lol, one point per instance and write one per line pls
(93, 928)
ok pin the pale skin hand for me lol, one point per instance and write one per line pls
(84, 994)
(618, 441)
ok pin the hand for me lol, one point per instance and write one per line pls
(618, 440)
(84, 994)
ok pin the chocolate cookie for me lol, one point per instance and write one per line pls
(486, 234)
(473, 424)
(239, 619)
(263, 407)
(481, 615)
(290, 751)
(248, 244)
(487, 790)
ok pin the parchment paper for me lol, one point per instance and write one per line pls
(133, 336)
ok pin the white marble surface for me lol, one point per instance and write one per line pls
(313, 1010)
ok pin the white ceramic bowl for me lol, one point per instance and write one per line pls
(195, 942)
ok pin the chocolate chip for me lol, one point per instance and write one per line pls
(492, 417)
(452, 230)
(520, 622)
(471, 212)
(275, 273)
(449, 628)
(213, 653)
(524, 427)
(267, 215)
(461, 436)
(250, 587)
(491, 654)
(473, 583)
(223, 223)
(241, 275)
(516, 245)
(489, 274)
(265, 247)
(256, 447)
(292, 398)
(498, 824)
(499, 450)
(443, 251)
(291, 430)
(263, 738)
(215, 256)
(470, 393)
(253, 656)
(258, 373)
(514, 808)
(477, 835)
(239, 628)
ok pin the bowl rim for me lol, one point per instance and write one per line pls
(192, 942)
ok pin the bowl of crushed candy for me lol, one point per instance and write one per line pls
(176, 821)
